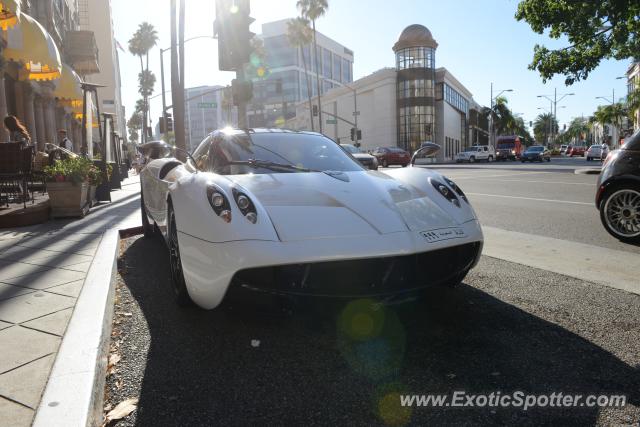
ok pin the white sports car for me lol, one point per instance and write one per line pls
(293, 213)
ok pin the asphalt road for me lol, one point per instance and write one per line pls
(546, 199)
(335, 362)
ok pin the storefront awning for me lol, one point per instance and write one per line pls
(9, 13)
(30, 44)
(67, 88)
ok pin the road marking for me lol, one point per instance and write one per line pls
(534, 182)
(532, 198)
(497, 176)
(609, 267)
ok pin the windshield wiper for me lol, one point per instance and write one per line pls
(266, 164)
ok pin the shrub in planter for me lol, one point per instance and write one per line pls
(68, 186)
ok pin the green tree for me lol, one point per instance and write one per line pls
(596, 30)
(312, 10)
(501, 116)
(134, 124)
(544, 126)
(143, 40)
(633, 103)
(300, 36)
(577, 130)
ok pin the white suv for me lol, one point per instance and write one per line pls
(476, 153)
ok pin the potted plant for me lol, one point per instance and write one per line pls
(68, 186)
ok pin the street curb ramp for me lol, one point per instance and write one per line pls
(74, 395)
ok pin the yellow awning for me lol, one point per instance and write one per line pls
(32, 45)
(67, 87)
(9, 13)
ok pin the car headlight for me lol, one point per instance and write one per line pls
(246, 206)
(445, 191)
(457, 189)
(219, 202)
(513, 151)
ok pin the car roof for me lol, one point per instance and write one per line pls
(248, 131)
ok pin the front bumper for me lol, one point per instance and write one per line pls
(281, 267)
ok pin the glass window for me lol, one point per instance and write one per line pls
(346, 71)
(279, 52)
(455, 99)
(315, 152)
(415, 57)
(326, 63)
(337, 68)
(416, 126)
(415, 88)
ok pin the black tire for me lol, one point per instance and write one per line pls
(523, 160)
(548, 159)
(604, 205)
(490, 159)
(472, 159)
(178, 284)
(405, 165)
(385, 164)
(147, 228)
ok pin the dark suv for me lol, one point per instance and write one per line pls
(618, 195)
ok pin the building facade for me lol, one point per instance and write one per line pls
(405, 106)
(291, 74)
(633, 83)
(96, 16)
(204, 113)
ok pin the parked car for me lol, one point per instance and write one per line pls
(366, 159)
(536, 153)
(476, 153)
(618, 194)
(576, 150)
(388, 156)
(597, 151)
(508, 147)
(564, 148)
(289, 212)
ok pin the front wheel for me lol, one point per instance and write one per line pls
(179, 286)
(490, 159)
(385, 163)
(620, 212)
(472, 159)
(548, 159)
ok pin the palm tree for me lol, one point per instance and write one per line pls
(143, 40)
(577, 129)
(312, 10)
(300, 36)
(544, 126)
(500, 115)
(633, 104)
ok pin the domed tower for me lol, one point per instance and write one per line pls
(415, 64)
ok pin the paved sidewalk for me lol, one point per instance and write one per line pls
(42, 272)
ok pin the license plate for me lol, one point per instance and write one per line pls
(442, 234)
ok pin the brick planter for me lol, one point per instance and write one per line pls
(68, 199)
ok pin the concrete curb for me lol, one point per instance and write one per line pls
(74, 394)
(587, 171)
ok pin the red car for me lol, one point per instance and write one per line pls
(388, 156)
(576, 150)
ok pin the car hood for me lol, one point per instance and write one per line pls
(318, 205)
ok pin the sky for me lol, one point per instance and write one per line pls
(479, 42)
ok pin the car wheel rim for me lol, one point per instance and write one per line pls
(622, 213)
(174, 254)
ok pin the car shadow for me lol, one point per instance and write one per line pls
(272, 361)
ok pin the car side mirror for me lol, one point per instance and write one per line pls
(427, 150)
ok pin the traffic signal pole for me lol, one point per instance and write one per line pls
(242, 104)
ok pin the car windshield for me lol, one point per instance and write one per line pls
(632, 142)
(351, 148)
(277, 152)
(535, 149)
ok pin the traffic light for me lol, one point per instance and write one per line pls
(353, 134)
(242, 91)
(234, 38)
(169, 124)
(163, 127)
(314, 111)
(359, 135)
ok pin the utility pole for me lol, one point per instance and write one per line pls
(164, 98)
(177, 79)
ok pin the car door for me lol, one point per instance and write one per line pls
(482, 153)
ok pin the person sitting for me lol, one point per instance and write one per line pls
(18, 133)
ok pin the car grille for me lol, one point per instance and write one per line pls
(362, 277)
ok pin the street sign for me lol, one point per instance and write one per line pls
(356, 113)
(331, 121)
(207, 105)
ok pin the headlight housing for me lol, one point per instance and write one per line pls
(445, 191)
(219, 202)
(246, 206)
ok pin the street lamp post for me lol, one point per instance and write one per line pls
(493, 136)
(554, 107)
(355, 110)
